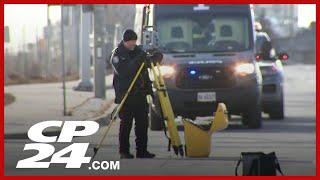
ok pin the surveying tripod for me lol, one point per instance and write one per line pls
(167, 112)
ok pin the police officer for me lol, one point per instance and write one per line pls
(126, 60)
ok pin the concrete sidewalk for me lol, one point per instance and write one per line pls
(42, 102)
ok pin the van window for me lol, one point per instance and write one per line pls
(204, 33)
(226, 31)
(176, 32)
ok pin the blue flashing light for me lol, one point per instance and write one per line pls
(192, 72)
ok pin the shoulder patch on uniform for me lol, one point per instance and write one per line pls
(115, 59)
(114, 50)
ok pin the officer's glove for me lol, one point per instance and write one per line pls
(157, 57)
(154, 57)
(141, 57)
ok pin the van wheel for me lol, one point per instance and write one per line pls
(155, 119)
(252, 118)
(277, 112)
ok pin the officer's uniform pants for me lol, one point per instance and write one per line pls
(136, 108)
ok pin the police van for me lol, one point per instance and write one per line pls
(208, 58)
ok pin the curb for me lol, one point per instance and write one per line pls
(101, 120)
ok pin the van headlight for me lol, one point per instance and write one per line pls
(167, 71)
(244, 69)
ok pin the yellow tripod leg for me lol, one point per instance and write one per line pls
(167, 110)
(118, 108)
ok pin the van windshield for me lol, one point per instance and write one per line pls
(204, 33)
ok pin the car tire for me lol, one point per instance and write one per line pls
(155, 119)
(278, 111)
(252, 117)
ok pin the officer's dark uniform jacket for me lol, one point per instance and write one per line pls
(126, 64)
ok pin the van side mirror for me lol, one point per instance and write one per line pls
(283, 56)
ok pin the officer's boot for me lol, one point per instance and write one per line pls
(145, 154)
(126, 156)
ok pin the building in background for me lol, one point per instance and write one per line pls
(280, 19)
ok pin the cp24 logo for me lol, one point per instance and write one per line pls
(69, 129)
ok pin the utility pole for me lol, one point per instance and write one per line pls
(76, 15)
(63, 63)
(99, 52)
(38, 57)
(48, 43)
(6, 54)
(25, 52)
(85, 82)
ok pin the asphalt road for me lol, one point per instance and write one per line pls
(293, 140)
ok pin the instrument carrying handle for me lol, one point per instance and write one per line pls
(278, 166)
(237, 166)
